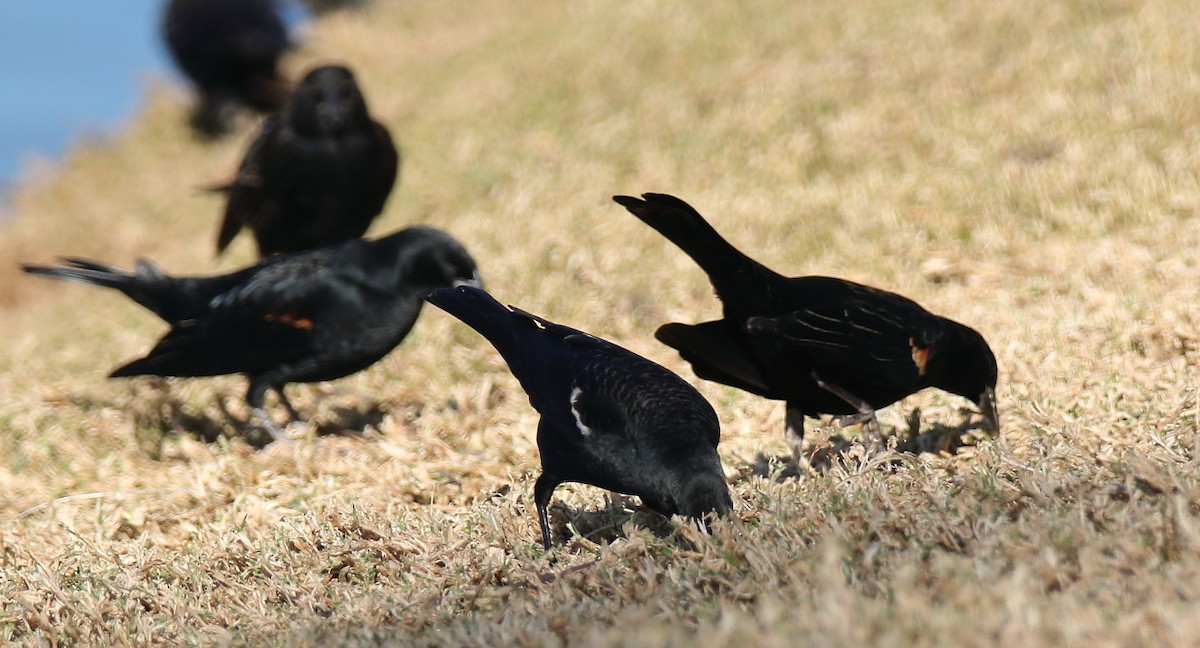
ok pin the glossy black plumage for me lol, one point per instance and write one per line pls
(823, 345)
(317, 172)
(230, 49)
(313, 316)
(610, 418)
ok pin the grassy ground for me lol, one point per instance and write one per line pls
(1027, 168)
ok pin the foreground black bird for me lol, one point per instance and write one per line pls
(610, 418)
(309, 317)
(316, 173)
(823, 345)
(230, 49)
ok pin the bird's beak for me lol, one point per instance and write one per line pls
(987, 405)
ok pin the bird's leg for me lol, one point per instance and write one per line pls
(866, 413)
(793, 419)
(255, 397)
(293, 416)
(542, 490)
(914, 423)
(846, 420)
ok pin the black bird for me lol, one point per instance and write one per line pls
(230, 49)
(320, 7)
(610, 418)
(308, 317)
(317, 172)
(822, 345)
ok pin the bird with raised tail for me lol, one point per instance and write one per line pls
(823, 345)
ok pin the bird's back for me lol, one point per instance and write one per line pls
(609, 417)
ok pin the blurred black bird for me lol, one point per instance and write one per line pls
(308, 317)
(319, 7)
(230, 50)
(610, 418)
(317, 173)
(823, 345)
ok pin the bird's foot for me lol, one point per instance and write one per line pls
(264, 422)
(872, 433)
(794, 431)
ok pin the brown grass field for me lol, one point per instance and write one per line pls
(1030, 169)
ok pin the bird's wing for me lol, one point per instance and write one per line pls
(596, 412)
(270, 319)
(584, 374)
(384, 172)
(880, 339)
(247, 192)
(716, 354)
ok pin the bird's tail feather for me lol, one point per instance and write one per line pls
(685, 227)
(85, 271)
(145, 285)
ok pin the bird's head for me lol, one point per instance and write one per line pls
(426, 259)
(327, 102)
(702, 494)
(968, 368)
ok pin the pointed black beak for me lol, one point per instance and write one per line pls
(987, 405)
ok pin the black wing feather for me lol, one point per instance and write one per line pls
(873, 339)
(247, 192)
(269, 320)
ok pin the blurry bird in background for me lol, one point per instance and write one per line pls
(230, 50)
(610, 418)
(309, 317)
(318, 172)
(823, 345)
(324, 6)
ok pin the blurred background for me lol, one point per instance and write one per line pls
(74, 69)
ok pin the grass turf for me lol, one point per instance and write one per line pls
(1029, 170)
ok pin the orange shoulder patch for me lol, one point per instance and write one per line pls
(292, 319)
(920, 356)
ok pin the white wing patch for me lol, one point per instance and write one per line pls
(585, 430)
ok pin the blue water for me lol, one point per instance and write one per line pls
(75, 68)
(71, 68)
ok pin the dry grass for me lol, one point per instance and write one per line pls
(1026, 168)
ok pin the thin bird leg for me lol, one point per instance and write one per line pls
(293, 416)
(866, 413)
(846, 420)
(542, 490)
(794, 430)
(259, 415)
(914, 423)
